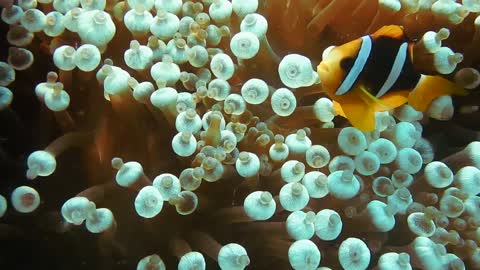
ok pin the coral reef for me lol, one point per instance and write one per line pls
(174, 134)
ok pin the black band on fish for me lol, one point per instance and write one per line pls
(395, 71)
(357, 67)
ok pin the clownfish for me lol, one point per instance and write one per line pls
(376, 73)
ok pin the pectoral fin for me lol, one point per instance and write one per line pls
(362, 92)
(431, 87)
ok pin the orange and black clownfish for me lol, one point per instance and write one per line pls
(376, 73)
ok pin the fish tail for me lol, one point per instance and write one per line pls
(430, 88)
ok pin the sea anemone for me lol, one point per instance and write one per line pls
(163, 134)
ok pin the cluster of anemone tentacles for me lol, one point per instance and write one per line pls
(194, 135)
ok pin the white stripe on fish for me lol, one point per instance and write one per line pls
(357, 67)
(395, 71)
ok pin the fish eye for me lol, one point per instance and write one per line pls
(346, 63)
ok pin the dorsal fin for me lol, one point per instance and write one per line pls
(391, 31)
